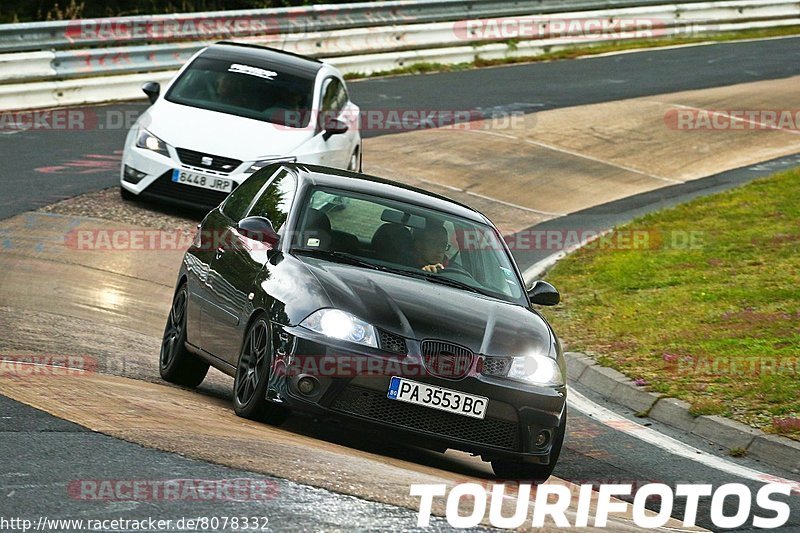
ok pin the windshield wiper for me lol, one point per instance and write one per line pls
(340, 257)
(437, 278)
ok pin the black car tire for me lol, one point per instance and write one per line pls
(252, 376)
(127, 195)
(176, 364)
(532, 472)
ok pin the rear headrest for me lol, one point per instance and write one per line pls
(406, 219)
(317, 220)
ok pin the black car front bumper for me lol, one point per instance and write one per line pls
(517, 414)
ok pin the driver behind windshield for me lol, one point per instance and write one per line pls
(429, 247)
(230, 90)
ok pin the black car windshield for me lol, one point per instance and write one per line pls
(407, 239)
(245, 90)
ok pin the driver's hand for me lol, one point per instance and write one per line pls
(433, 268)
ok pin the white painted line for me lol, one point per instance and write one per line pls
(516, 206)
(509, 204)
(620, 423)
(431, 182)
(576, 154)
(536, 270)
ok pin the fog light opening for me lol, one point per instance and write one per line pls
(307, 385)
(542, 439)
(131, 175)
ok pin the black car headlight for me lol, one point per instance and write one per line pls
(258, 165)
(337, 324)
(148, 141)
(536, 369)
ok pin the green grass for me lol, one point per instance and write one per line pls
(716, 323)
(579, 51)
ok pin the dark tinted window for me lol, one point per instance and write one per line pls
(335, 97)
(408, 237)
(276, 199)
(235, 206)
(245, 90)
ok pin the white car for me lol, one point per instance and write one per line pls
(232, 109)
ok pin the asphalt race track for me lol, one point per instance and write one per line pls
(43, 452)
(48, 451)
(75, 162)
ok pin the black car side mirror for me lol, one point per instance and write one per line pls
(152, 89)
(543, 293)
(333, 126)
(259, 229)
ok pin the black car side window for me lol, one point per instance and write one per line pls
(276, 199)
(235, 206)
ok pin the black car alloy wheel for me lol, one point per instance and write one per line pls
(176, 364)
(252, 376)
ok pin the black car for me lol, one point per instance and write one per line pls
(348, 296)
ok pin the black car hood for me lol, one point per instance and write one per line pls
(421, 309)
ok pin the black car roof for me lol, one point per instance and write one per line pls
(263, 56)
(363, 183)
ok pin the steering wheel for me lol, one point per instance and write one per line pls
(457, 270)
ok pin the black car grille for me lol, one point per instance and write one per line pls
(166, 188)
(218, 162)
(496, 366)
(376, 406)
(392, 343)
(446, 360)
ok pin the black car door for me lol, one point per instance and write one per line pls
(235, 266)
(216, 237)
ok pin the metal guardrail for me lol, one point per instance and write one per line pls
(59, 35)
(75, 76)
(665, 20)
